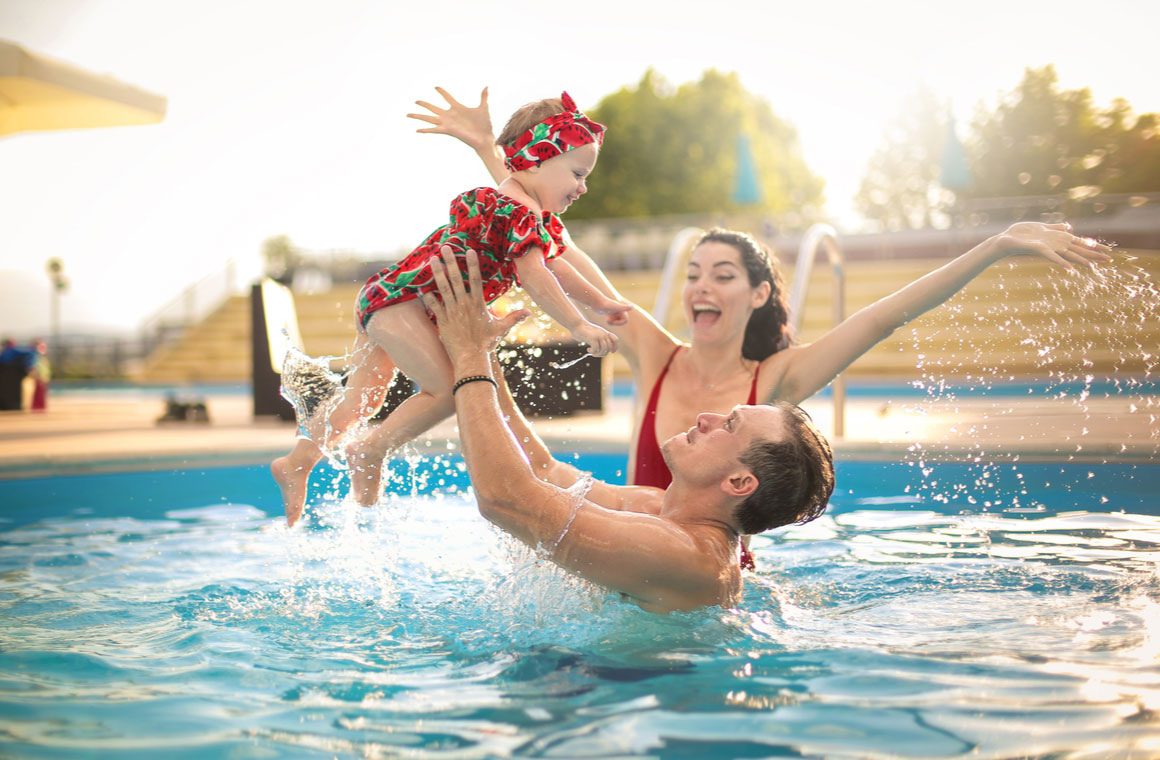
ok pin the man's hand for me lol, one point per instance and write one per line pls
(466, 326)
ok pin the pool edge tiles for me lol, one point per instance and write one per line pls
(945, 487)
(853, 450)
(47, 464)
(44, 467)
(999, 454)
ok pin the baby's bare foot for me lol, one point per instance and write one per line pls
(292, 480)
(366, 473)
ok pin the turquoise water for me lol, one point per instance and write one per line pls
(949, 611)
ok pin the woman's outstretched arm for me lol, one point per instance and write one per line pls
(799, 372)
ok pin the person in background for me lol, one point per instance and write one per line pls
(41, 374)
(15, 364)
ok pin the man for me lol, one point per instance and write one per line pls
(756, 468)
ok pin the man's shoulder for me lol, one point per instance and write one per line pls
(708, 575)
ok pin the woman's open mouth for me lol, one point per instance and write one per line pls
(705, 315)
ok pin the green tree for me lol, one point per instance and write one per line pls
(1130, 156)
(674, 151)
(1039, 140)
(1043, 140)
(902, 187)
(280, 256)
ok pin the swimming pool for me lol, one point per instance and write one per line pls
(938, 610)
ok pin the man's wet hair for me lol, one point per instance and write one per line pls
(795, 476)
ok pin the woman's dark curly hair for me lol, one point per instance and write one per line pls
(768, 330)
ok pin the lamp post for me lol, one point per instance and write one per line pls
(55, 269)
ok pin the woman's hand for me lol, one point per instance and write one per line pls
(1053, 242)
(471, 125)
(614, 312)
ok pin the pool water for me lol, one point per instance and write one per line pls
(947, 611)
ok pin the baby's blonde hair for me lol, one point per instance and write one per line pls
(528, 116)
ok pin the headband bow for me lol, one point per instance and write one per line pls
(554, 135)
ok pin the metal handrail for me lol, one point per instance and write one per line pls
(821, 236)
(673, 261)
(194, 303)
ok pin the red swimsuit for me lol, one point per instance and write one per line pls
(651, 469)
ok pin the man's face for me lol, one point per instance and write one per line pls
(712, 448)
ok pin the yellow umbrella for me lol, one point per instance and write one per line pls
(39, 93)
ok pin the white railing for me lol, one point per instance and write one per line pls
(190, 306)
(673, 263)
(821, 236)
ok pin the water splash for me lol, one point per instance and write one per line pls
(1088, 339)
(312, 388)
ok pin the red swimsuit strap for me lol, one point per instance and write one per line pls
(651, 469)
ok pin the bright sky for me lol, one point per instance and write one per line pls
(287, 116)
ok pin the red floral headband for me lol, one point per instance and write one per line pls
(554, 135)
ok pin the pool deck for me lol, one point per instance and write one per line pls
(95, 431)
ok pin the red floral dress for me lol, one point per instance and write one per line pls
(498, 228)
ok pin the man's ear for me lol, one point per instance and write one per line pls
(740, 484)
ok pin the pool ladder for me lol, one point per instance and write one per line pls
(817, 236)
(821, 236)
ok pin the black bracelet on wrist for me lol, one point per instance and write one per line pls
(472, 379)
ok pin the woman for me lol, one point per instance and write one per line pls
(734, 301)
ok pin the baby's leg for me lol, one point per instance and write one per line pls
(407, 335)
(365, 390)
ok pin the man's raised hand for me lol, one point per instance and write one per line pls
(466, 326)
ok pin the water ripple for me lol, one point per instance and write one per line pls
(414, 630)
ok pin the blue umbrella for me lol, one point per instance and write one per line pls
(746, 188)
(953, 172)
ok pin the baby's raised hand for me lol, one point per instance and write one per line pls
(600, 341)
(470, 124)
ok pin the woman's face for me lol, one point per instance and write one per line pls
(718, 298)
